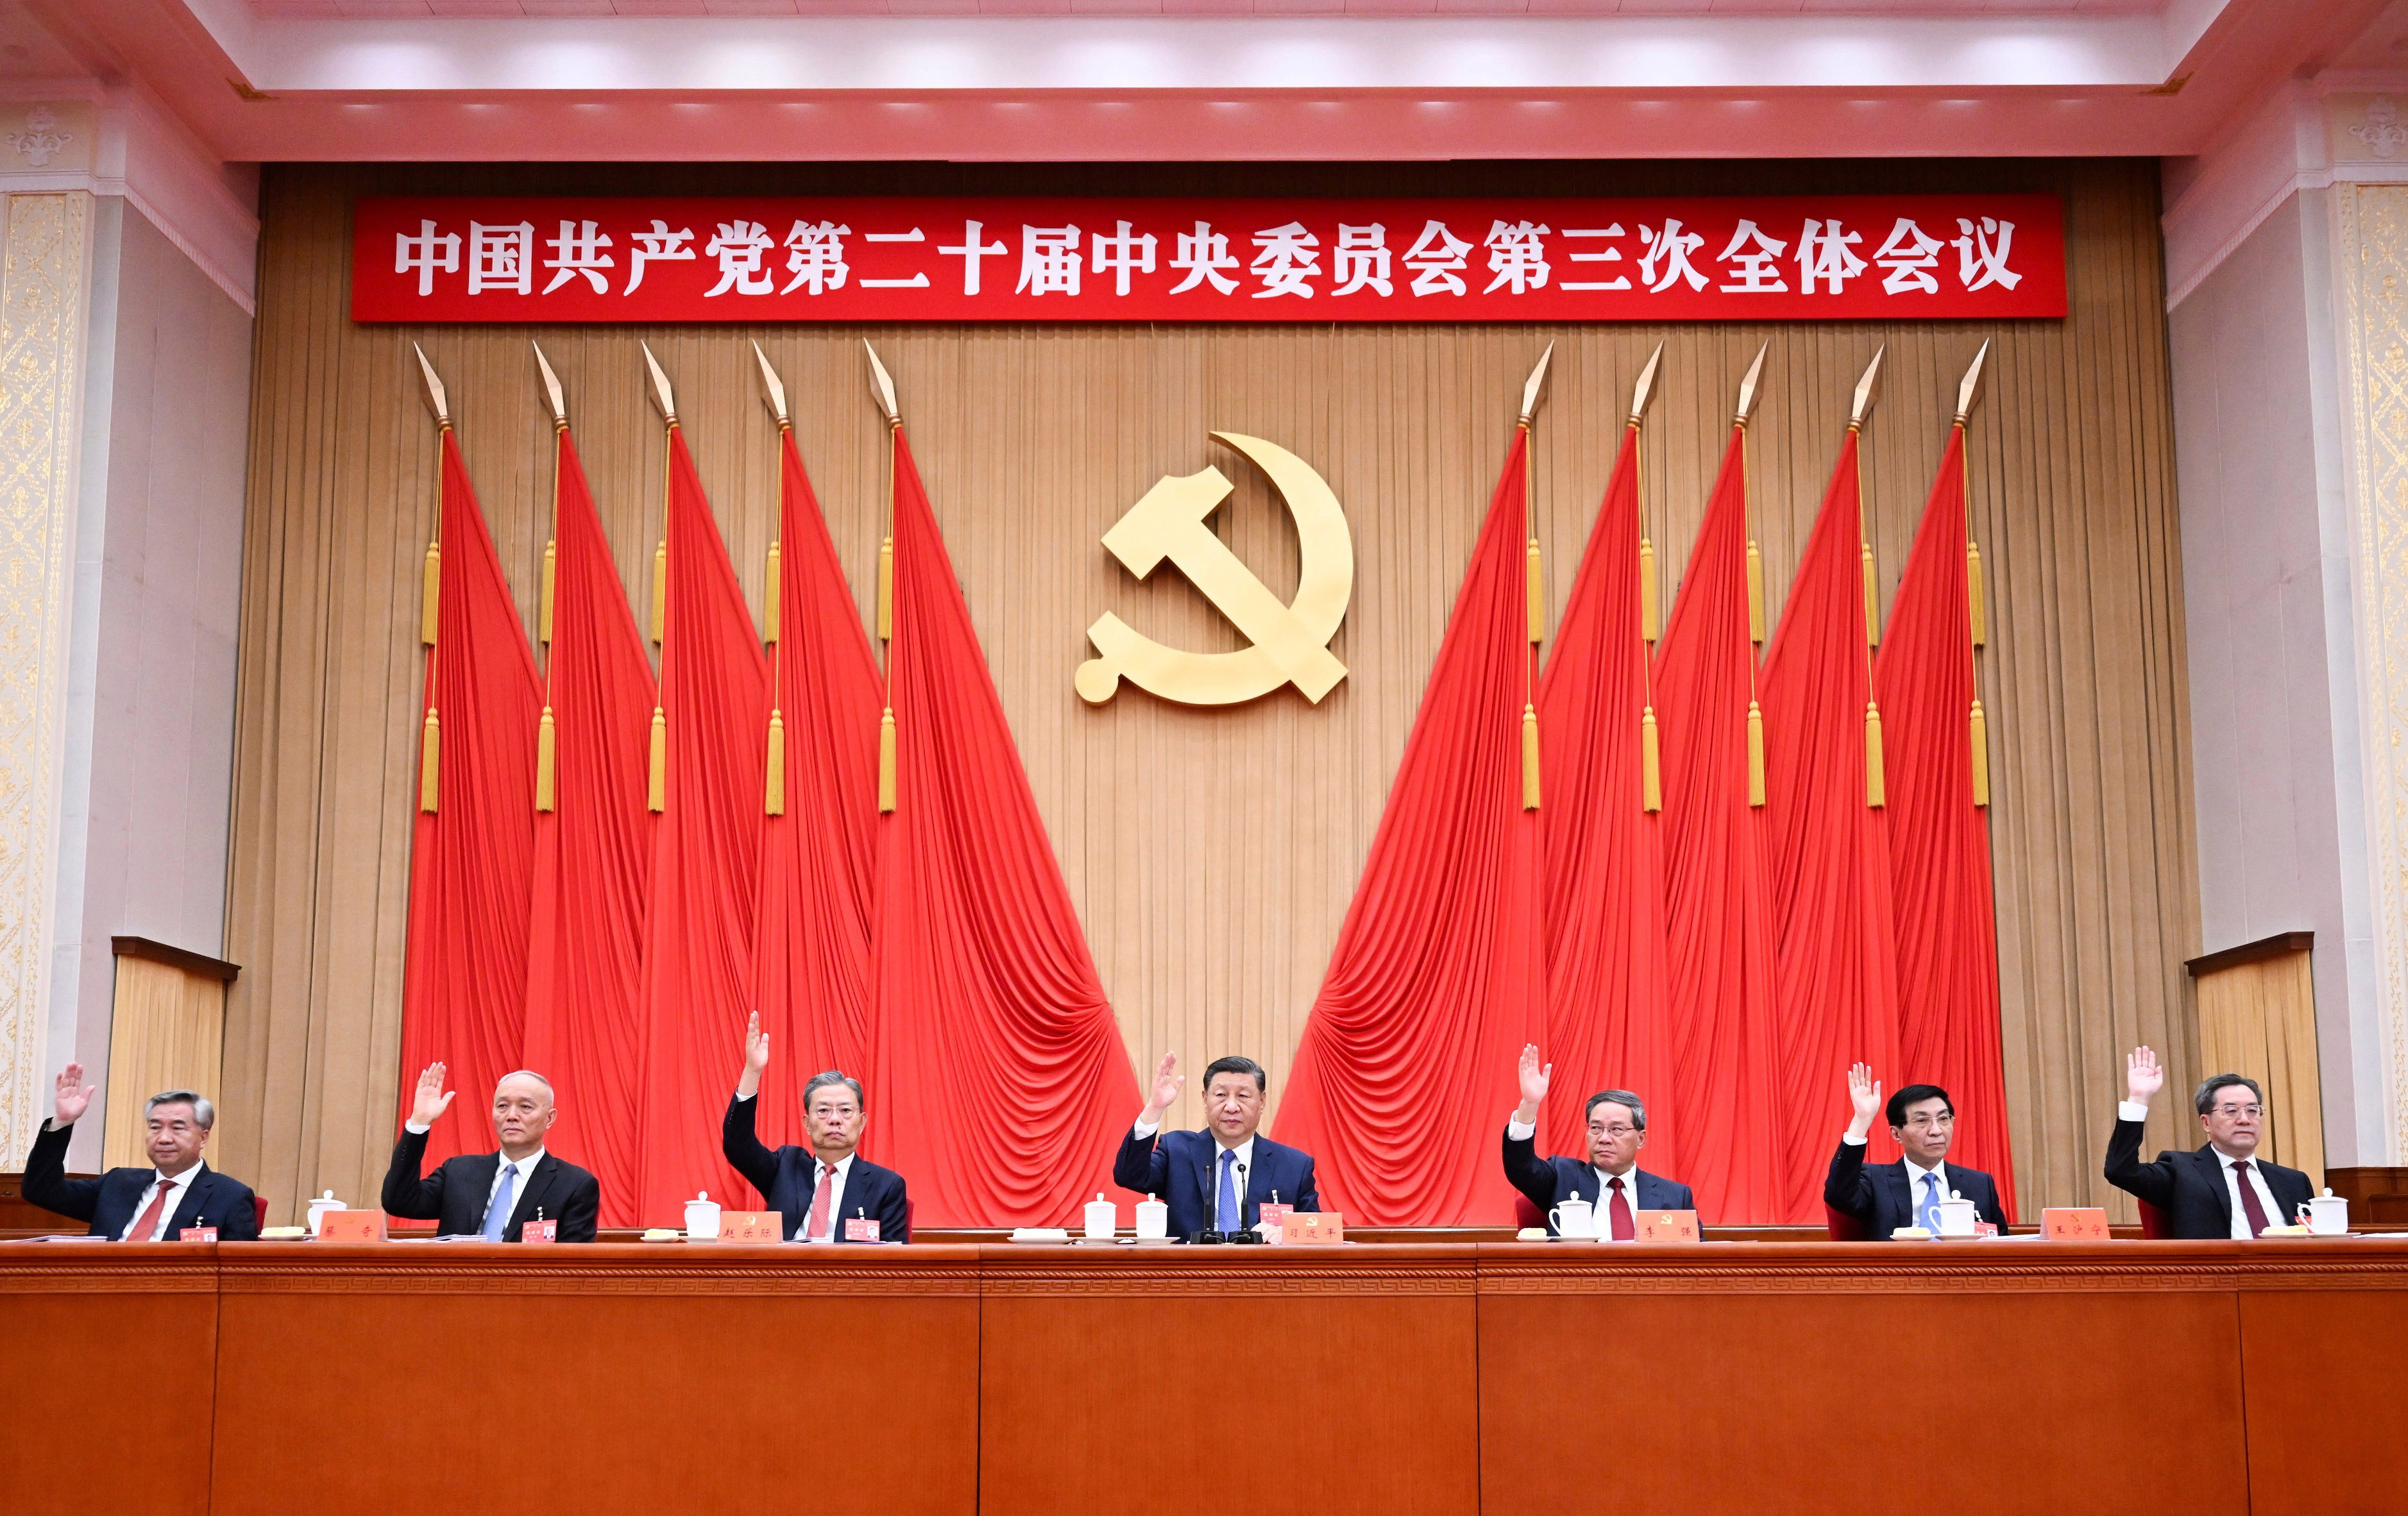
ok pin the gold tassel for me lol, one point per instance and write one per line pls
(1529, 758)
(551, 567)
(1973, 594)
(1755, 596)
(1873, 601)
(1538, 595)
(547, 752)
(430, 594)
(1981, 755)
(769, 602)
(657, 790)
(886, 759)
(430, 763)
(1646, 591)
(776, 802)
(1876, 779)
(1755, 753)
(1651, 766)
(660, 588)
(886, 591)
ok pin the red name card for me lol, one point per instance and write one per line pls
(539, 1232)
(2074, 1223)
(750, 1226)
(1667, 1226)
(863, 258)
(861, 1228)
(1313, 1226)
(197, 1234)
(351, 1226)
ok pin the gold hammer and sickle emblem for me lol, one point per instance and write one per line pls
(1290, 642)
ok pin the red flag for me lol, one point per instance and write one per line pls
(810, 967)
(1002, 1088)
(1406, 1072)
(1608, 1024)
(593, 857)
(1717, 904)
(472, 854)
(1940, 840)
(1834, 966)
(698, 968)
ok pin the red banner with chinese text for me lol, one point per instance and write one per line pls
(1921, 257)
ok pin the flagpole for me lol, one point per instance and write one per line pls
(1755, 590)
(430, 758)
(882, 389)
(1876, 779)
(547, 739)
(773, 785)
(656, 790)
(1651, 763)
(1979, 725)
(1534, 584)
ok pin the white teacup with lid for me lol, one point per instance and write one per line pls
(2327, 1215)
(702, 1217)
(1153, 1220)
(1103, 1220)
(327, 1202)
(1958, 1216)
(1573, 1219)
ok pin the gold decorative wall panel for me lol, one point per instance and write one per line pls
(47, 245)
(1212, 851)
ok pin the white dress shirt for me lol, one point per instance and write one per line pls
(179, 1184)
(1915, 1173)
(525, 1167)
(2131, 1110)
(1245, 1165)
(1599, 1213)
(835, 1181)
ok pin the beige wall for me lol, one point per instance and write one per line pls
(1211, 853)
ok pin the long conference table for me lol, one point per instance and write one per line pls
(1448, 1378)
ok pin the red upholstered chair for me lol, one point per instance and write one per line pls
(1526, 1214)
(259, 1204)
(909, 1204)
(1842, 1226)
(2153, 1221)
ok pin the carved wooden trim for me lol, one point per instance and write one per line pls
(472, 1269)
(1969, 1269)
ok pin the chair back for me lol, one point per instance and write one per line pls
(1842, 1226)
(2153, 1221)
(1526, 1214)
(259, 1206)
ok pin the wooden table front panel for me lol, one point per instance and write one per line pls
(109, 1352)
(1814, 1379)
(2328, 1373)
(1191, 1382)
(596, 1379)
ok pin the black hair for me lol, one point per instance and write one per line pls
(1915, 1095)
(1233, 1064)
(2205, 1099)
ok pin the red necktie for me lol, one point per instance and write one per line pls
(2256, 1212)
(818, 1225)
(148, 1222)
(1619, 1208)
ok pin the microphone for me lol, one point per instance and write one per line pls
(1243, 1233)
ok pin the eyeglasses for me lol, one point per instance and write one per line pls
(1611, 1131)
(2239, 1111)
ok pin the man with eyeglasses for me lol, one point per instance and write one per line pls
(1923, 1122)
(2224, 1190)
(1610, 1180)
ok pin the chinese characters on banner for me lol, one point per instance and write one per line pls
(878, 259)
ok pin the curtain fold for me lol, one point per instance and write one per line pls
(810, 966)
(1000, 1082)
(471, 858)
(1835, 970)
(1405, 1074)
(593, 857)
(1719, 937)
(699, 921)
(1608, 1026)
(1940, 840)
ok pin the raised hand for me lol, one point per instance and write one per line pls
(1865, 1095)
(2142, 1077)
(74, 1094)
(431, 1102)
(1168, 1082)
(756, 1058)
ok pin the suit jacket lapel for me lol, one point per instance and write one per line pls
(1901, 1185)
(531, 1194)
(195, 1204)
(485, 1166)
(2212, 1162)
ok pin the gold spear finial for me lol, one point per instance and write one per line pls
(773, 393)
(1867, 389)
(1645, 391)
(1538, 382)
(661, 397)
(552, 389)
(1747, 386)
(434, 401)
(880, 386)
(1972, 384)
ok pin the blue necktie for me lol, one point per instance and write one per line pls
(497, 1215)
(1928, 1215)
(1227, 1211)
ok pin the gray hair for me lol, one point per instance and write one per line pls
(202, 1112)
(2205, 1099)
(1619, 1097)
(524, 1073)
(822, 1080)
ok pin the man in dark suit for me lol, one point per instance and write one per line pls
(1611, 1181)
(140, 1205)
(492, 1194)
(820, 1188)
(2224, 1190)
(1923, 1121)
(1215, 1181)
